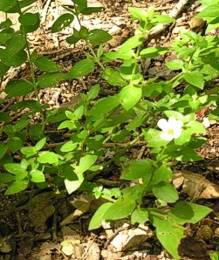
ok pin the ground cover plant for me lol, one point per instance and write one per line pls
(99, 130)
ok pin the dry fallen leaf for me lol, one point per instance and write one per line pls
(129, 239)
(195, 185)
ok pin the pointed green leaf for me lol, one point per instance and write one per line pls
(50, 80)
(17, 88)
(29, 151)
(166, 192)
(47, 65)
(15, 168)
(14, 144)
(62, 22)
(122, 208)
(30, 22)
(37, 176)
(98, 216)
(139, 216)
(40, 144)
(104, 106)
(188, 212)
(169, 235)
(48, 157)
(194, 78)
(130, 96)
(113, 77)
(138, 169)
(82, 68)
(68, 147)
(73, 185)
(16, 187)
(98, 36)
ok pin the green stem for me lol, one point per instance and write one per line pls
(32, 70)
(95, 56)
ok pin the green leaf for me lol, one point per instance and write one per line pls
(210, 11)
(24, 3)
(68, 147)
(113, 77)
(82, 68)
(3, 150)
(122, 208)
(17, 88)
(67, 124)
(175, 64)
(50, 80)
(138, 169)
(98, 216)
(16, 169)
(138, 13)
(162, 174)
(165, 192)
(73, 185)
(6, 35)
(188, 212)
(196, 127)
(152, 137)
(48, 157)
(163, 19)
(74, 38)
(15, 44)
(6, 178)
(62, 22)
(16, 187)
(4, 117)
(14, 144)
(13, 59)
(80, 3)
(45, 64)
(104, 106)
(29, 151)
(3, 69)
(139, 216)
(37, 176)
(5, 24)
(130, 96)
(30, 22)
(40, 144)
(93, 92)
(131, 43)
(98, 36)
(152, 52)
(91, 10)
(169, 235)
(194, 78)
(85, 163)
(8, 6)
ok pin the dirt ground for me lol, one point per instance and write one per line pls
(45, 225)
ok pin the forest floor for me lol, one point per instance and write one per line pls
(51, 226)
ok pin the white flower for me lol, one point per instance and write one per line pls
(206, 122)
(171, 128)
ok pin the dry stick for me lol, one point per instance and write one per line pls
(45, 10)
(173, 13)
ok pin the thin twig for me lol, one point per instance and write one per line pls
(173, 13)
(45, 10)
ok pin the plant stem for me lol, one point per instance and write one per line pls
(32, 70)
(95, 56)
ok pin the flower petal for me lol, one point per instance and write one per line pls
(166, 136)
(175, 123)
(206, 122)
(177, 133)
(162, 124)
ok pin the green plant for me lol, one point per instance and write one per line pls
(101, 130)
